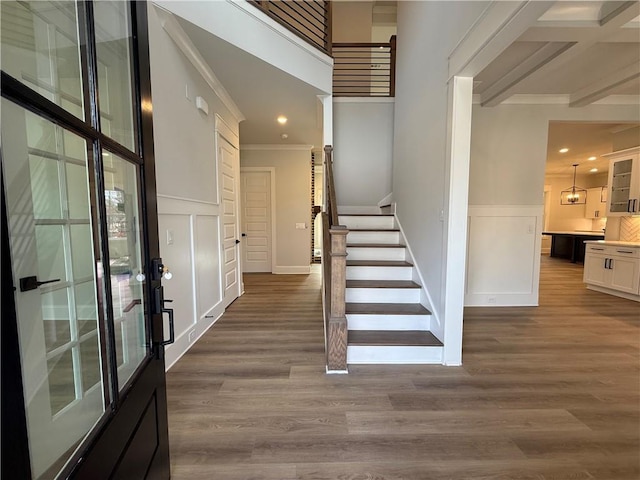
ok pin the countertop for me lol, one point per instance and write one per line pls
(614, 243)
(577, 233)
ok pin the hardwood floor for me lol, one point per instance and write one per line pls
(551, 392)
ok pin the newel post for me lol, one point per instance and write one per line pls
(337, 326)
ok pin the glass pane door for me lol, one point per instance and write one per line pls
(125, 263)
(54, 268)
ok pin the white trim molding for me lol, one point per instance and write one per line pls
(190, 51)
(364, 100)
(503, 261)
(295, 147)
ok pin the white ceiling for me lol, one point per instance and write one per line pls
(581, 52)
(584, 50)
(584, 140)
(262, 92)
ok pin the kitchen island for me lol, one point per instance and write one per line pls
(570, 245)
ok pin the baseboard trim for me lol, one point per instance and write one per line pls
(292, 270)
(616, 293)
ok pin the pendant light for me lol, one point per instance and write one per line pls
(573, 195)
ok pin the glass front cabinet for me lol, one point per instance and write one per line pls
(624, 182)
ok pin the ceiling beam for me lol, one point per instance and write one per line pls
(609, 26)
(603, 87)
(532, 63)
(498, 27)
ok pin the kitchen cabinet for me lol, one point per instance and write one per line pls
(624, 182)
(613, 269)
(596, 206)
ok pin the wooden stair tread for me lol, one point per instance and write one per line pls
(386, 309)
(373, 229)
(375, 245)
(393, 338)
(378, 263)
(381, 284)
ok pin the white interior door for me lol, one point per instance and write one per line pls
(256, 221)
(229, 166)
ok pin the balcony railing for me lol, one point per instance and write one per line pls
(309, 19)
(364, 69)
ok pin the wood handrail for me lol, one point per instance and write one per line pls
(334, 260)
(332, 203)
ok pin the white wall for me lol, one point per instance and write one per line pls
(363, 149)
(188, 199)
(427, 34)
(508, 156)
(293, 202)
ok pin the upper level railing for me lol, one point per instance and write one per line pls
(309, 19)
(334, 274)
(364, 69)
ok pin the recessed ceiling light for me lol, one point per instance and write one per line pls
(593, 170)
(284, 136)
(592, 158)
(563, 150)
(282, 119)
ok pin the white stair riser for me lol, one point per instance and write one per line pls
(379, 273)
(371, 253)
(379, 222)
(393, 355)
(388, 238)
(382, 295)
(388, 322)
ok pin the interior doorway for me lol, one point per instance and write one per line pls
(257, 193)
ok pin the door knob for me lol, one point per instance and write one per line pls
(31, 283)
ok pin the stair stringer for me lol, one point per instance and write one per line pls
(425, 298)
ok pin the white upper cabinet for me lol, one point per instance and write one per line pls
(624, 182)
(596, 206)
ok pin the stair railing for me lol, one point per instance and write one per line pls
(364, 69)
(334, 262)
(308, 19)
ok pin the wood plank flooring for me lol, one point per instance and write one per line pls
(545, 393)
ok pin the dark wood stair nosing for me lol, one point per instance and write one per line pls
(393, 338)
(378, 263)
(366, 214)
(375, 245)
(400, 284)
(356, 308)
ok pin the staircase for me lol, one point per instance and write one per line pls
(386, 320)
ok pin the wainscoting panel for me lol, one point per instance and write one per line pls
(503, 260)
(190, 247)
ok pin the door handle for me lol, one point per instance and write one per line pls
(31, 283)
(172, 331)
(611, 264)
(237, 241)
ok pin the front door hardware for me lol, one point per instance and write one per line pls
(31, 283)
(159, 308)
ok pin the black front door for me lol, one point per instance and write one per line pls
(83, 383)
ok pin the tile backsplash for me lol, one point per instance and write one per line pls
(630, 229)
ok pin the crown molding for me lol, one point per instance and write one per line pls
(190, 51)
(306, 148)
(560, 99)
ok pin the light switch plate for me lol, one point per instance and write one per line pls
(169, 237)
(301, 226)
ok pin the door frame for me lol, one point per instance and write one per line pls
(102, 452)
(224, 131)
(272, 205)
